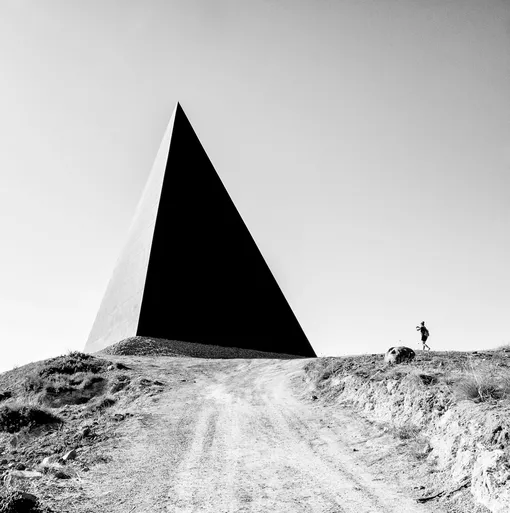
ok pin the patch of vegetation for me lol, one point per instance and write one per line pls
(61, 389)
(5, 395)
(105, 402)
(72, 363)
(33, 383)
(16, 501)
(481, 386)
(15, 417)
(121, 382)
(407, 432)
(428, 379)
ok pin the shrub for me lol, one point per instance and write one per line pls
(407, 432)
(104, 403)
(33, 383)
(79, 389)
(121, 382)
(5, 395)
(15, 417)
(481, 385)
(16, 501)
(475, 390)
(72, 363)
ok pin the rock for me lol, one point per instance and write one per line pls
(399, 354)
(69, 455)
(20, 466)
(463, 465)
(314, 398)
(425, 450)
(489, 481)
(118, 417)
(19, 476)
(50, 461)
(30, 497)
(62, 474)
(85, 432)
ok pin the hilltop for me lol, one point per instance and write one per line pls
(451, 411)
(85, 433)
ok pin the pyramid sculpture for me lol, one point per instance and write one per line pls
(190, 270)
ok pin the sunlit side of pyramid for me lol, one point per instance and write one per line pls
(190, 269)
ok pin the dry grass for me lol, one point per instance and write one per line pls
(17, 416)
(28, 381)
(15, 501)
(72, 363)
(482, 383)
(78, 389)
(407, 432)
(103, 403)
(52, 406)
(476, 376)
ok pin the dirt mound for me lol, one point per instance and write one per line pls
(145, 346)
(71, 404)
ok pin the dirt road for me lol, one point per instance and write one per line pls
(236, 437)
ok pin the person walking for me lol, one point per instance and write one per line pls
(424, 335)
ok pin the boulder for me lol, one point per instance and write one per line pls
(399, 354)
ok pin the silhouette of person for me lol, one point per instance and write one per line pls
(424, 335)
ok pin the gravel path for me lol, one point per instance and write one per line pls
(234, 437)
(141, 346)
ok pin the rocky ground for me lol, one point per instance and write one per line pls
(143, 346)
(55, 417)
(438, 426)
(451, 412)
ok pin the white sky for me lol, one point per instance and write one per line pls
(365, 143)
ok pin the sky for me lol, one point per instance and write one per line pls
(366, 144)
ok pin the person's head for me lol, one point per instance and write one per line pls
(423, 323)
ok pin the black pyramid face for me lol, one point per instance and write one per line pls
(190, 270)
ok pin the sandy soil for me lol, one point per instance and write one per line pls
(236, 436)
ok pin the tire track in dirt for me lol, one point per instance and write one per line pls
(275, 460)
(365, 493)
(238, 441)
